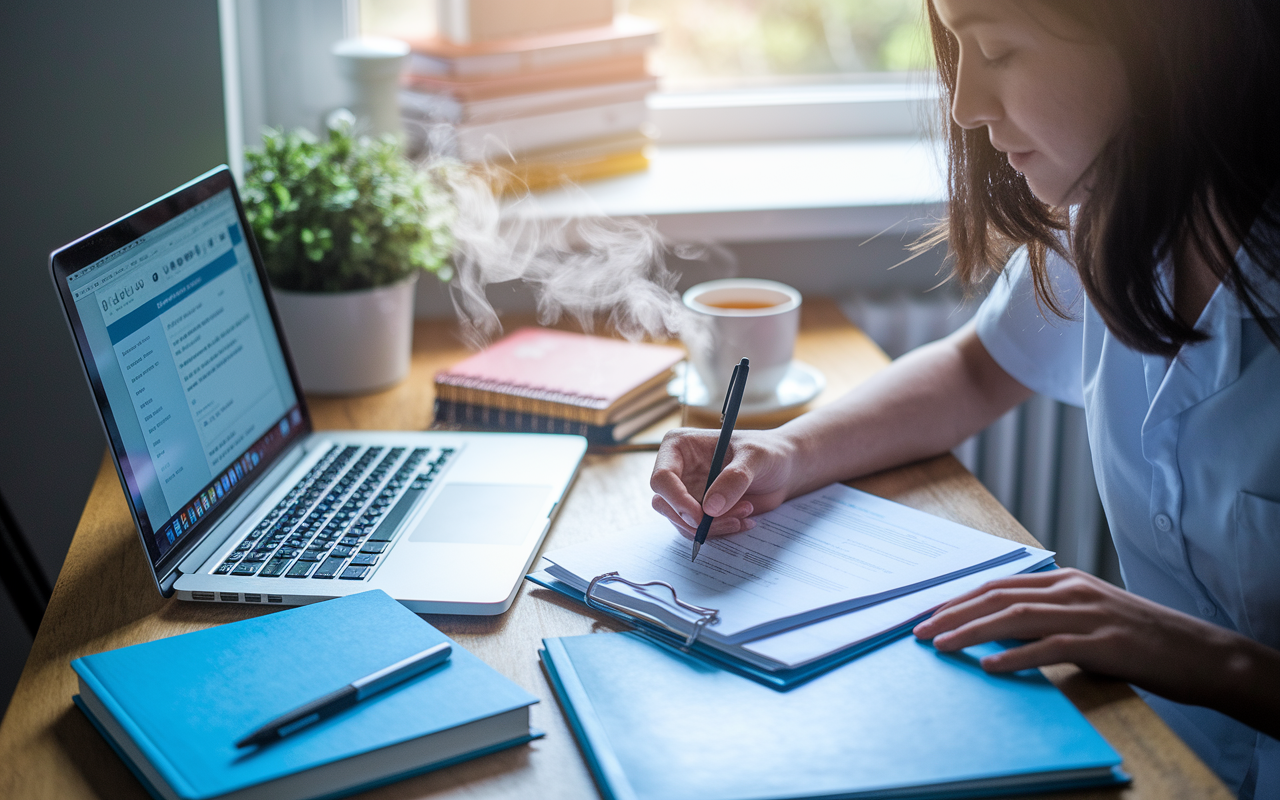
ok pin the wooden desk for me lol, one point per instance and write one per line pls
(104, 599)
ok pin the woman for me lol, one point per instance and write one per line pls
(1129, 152)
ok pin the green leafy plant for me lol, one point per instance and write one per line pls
(343, 212)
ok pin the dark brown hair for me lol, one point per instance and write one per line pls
(1190, 170)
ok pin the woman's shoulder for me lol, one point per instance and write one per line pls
(1039, 348)
(1061, 278)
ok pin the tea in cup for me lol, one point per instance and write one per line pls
(758, 319)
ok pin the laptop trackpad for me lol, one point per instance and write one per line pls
(482, 513)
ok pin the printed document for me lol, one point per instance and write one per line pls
(814, 557)
(804, 645)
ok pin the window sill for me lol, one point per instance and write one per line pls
(767, 191)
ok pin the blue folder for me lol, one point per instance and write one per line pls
(782, 679)
(174, 708)
(903, 721)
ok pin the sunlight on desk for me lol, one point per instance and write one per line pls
(105, 599)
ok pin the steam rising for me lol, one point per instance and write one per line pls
(586, 268)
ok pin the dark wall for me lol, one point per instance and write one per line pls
(103, 106)
(106, 105)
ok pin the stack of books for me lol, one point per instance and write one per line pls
(547, 381)
(535, 107)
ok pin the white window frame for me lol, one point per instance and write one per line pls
(869, 106)
(772, 163)
(886, 106)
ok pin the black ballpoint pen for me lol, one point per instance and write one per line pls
(348, 695)
(728, 418)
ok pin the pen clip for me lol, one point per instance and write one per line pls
(706, 616)
(733, 378)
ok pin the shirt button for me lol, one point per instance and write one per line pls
(1207, 610)
(1163, 522)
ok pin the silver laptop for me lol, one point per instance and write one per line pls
(236, 498)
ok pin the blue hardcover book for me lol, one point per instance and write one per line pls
(902, 721)
(174, 708)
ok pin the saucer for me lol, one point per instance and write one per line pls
(802, 383)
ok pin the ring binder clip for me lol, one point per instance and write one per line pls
(706, 616)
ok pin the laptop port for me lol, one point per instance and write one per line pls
(253, 598)
(275, 598)
(229, 597)
(206, 596)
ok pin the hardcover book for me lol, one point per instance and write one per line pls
(443, 58)
(518, 136)
(443, 107)
(460, 416)
(466, 21)
(627, 68)
(173, 709)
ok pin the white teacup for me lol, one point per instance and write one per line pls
(747, 317)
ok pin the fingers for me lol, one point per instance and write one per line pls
(1057, 649)
(986, 600)
(1063, 610)
(668, 479)
(727, 489)
(683, 462)
(1029, 581)
(734, 521)
(1061, 586)
(1024, 620)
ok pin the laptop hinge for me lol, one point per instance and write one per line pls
(241, 511)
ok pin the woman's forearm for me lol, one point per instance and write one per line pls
(1243, 682)
(922, 404)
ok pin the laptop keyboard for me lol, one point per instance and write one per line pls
(340, 519)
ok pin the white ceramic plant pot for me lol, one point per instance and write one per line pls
(349, 342)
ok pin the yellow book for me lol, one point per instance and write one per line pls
(532, 175)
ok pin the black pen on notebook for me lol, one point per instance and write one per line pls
(349, 695)
(728, 418)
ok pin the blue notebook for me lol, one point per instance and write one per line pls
(173, 708)
(902, 721)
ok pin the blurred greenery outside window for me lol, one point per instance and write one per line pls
(708, 44)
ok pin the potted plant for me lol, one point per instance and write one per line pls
(346, 225)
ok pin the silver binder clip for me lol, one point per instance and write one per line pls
(706, 616)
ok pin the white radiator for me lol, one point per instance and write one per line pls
(1035, 459)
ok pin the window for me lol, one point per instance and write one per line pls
(752, 42)
(758, 70)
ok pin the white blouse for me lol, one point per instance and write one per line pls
(1187, 457)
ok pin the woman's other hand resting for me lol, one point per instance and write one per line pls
(1070, 616)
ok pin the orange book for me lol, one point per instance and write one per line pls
(614, 69)
(441, 58)
(482, 20)
(591, 379)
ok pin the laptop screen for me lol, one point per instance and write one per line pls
(190, 375)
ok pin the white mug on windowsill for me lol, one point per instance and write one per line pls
(744, 317)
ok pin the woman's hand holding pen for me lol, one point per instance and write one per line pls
(758, 474)
(953, 383)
